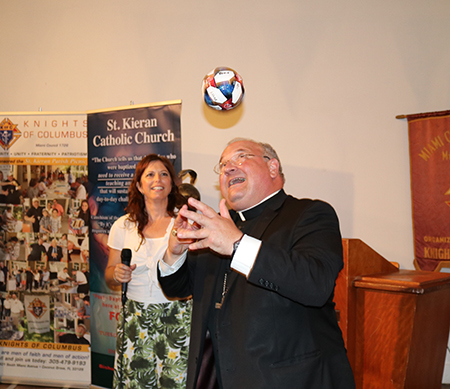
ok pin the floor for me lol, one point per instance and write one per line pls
(13, 386)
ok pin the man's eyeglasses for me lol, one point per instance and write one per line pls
(237, 160)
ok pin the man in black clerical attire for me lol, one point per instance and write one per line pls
(77, 337)
(29, 279)
(34, 214)
(12, 190)
(262, 279)
(38, 252)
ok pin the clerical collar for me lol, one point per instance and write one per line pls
(251, 212)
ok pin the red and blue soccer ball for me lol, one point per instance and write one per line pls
(223, 89)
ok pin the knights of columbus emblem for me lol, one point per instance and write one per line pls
(37, 308)
(9, 133)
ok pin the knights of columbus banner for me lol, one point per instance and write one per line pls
(429, 142)
(44, 249)
(117, 140)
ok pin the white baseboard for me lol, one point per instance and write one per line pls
(446, 375)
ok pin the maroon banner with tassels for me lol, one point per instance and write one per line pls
(429, 146)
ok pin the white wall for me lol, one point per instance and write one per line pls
(324, 81)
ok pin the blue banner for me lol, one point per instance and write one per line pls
(117, 140)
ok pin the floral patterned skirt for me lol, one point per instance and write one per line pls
(152, 347)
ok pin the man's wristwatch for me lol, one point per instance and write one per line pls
(236, 245)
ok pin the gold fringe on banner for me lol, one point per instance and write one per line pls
(415, 116)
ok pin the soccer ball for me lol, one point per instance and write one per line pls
(223, 89)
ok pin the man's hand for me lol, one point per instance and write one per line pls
(218, 231)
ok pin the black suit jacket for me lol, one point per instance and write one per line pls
(36, 252)
(59, 254)
(278, 328)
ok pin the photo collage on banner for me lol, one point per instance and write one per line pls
(44, 248)
(117, 140)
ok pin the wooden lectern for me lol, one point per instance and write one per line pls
(395, 323)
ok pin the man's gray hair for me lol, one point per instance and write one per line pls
(267, 150)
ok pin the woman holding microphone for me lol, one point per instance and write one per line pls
(152, 343)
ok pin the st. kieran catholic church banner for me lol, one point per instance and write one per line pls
(429, 145)
(44, 267)
(117, 140)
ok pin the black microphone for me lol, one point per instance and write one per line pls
(125, 256)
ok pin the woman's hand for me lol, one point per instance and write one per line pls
(116, 273)
(178, 246)
(122, 273)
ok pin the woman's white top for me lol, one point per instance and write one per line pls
(144, 286)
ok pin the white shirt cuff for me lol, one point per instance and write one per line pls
(245, 255)
(167, 270)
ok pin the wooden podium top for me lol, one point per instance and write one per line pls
(406, 281)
